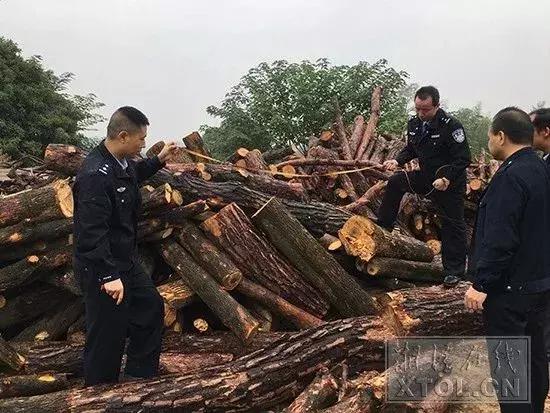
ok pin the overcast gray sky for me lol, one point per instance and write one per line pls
(173, 58)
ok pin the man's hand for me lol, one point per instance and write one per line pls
(390, 165)
(115, 289)
(441, 184)
(167, 152)
(473, 299)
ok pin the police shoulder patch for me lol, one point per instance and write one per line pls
(458, 135)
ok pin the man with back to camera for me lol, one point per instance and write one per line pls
(120, 299)
(439, 142)
(511, 259)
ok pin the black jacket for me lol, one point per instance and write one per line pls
(511, 247)
(107, 203)
(441, 150)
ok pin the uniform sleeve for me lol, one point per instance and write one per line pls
(459, 151)
(147, 168)
(503, 214)
(407, 153)
(93, 213)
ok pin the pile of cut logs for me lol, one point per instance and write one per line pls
(279, 288)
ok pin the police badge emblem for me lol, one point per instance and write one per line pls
(458, 135)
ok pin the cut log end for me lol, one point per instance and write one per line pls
(2, 301)
(242, 152)
(64, 196)
(435, 246)
(201, 325)
(33, 259)
(176, 198)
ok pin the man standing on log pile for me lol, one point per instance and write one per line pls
(439, 142)
(511, 257)
(120, 298)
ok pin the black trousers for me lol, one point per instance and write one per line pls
(513, 314)
(140, 317)
(451, 206)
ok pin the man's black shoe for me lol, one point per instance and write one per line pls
(451, 280)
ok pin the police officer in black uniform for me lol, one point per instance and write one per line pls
(439, 142)
(121, 300)
(511, 257)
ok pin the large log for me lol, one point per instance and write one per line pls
(30, 304)
(371, 124)
(34, 248)
(195, 143)
(20, 233)
(362, 238)
(229, 311)
(357, 133)
(295, 315)
(9, 358)
(318, 217)
(260, 182)
(208, 256)
(323, 272)
(25, 269)
(32, 384)
(322, 392)
(402, 269)
(259, 260)
(54, 324)
(179, 215)
(431, 311)
(49, 202)
(254, 382)
(66, 159)
(276, 154)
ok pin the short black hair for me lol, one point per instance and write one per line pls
(542, 118)
(126, 118)
(515, 123)
(428, 91)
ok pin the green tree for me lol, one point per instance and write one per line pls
(476, 124)
(280, 103)
(35, 110)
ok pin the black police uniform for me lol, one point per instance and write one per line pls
(107, 203)
(442, 151)
(511, 261)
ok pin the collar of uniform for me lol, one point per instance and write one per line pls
(434, 124)
(115, 164)
(516, 155)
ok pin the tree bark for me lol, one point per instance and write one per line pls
(20, 233)
(64, 278)
(257, 381)
(361, 205)
(23, 270)
(209, 257)
(66, 159)
(260, 261)
(180, 156)
(9, 357)
(318, 217)
(35, 248)
(364, 239)
(30, 304)
(228, 173)
(431, 311)
(229, 311)
(51, 201)
(194, 143)
(178, 215)
(295, 315)
(159, 197)
(371, 124)
(322, 392)
(254, 161)
(357, 133)
(405, 270)
(54, 324)
(272, 155)
(32, 384)
(309, 257)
